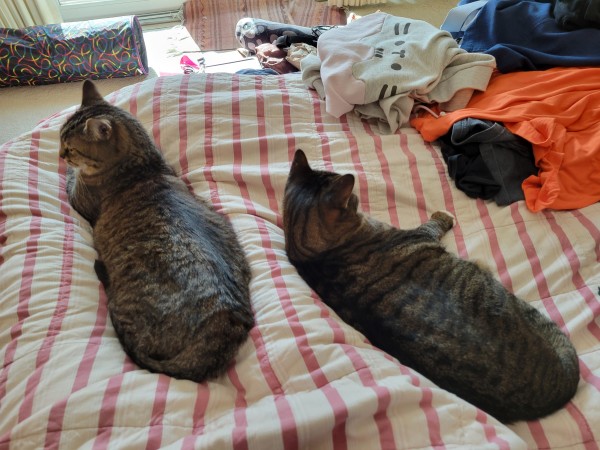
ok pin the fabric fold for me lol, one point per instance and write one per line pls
(557, 111)
(381, 65)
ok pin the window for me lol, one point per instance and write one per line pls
(75, 10)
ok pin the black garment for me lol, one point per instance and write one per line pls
(487, 161)
(575, 14)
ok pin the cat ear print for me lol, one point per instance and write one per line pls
(98, 129)
(90, 94)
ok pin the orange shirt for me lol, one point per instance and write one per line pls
(558, 111)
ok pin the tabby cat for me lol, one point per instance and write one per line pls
(176, 278)
(444, 316)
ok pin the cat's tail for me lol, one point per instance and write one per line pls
(208, 354)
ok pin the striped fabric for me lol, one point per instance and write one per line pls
(211, 23)
(304, 379)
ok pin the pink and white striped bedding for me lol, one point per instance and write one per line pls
(304, 379)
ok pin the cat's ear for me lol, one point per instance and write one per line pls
(342, 190)
(91, 95)
(98, 129)
(337, 199)
(300, 165)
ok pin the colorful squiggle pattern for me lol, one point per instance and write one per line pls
(74, 51)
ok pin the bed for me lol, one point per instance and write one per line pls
(304, 379)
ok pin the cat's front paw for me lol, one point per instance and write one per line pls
(444, 218)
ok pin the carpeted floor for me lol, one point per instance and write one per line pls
(211, 23)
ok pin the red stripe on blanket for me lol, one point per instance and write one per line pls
(382, 394)
(490, 431)
(85, 366)
(133, 99)
(202, 398)
(183, 131)
(3, 154)
(537, 432)
(108, 411)
(578, 281)
(288, 424)
(501, 267)
(16, 329)
(363, 189)
(295, 325)
(536, 267)
(158, 412)
(390, 191)
(162, 387)
(255, 334)
(587, 435)
(338, 406)
(590, 227)
(448, 200)
(64, 291)
(239, 433)
(588, 375)
(318, 121)
(539, 435)
(237, 147)
(287, 125)
(547, 299)
(263, 145)
(415, 177)
(156, 111)
(28, 269)
(339, 409)
(203, 393)
(207, 143)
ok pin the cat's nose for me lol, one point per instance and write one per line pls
(62, 152)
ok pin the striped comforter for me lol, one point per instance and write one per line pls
(304, 379)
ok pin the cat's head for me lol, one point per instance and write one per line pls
(98, 136)
(320, 211)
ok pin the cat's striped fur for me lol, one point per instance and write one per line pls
(176, 278)
(444, 316)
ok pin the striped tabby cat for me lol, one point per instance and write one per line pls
(443, 316)
(176, 278)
